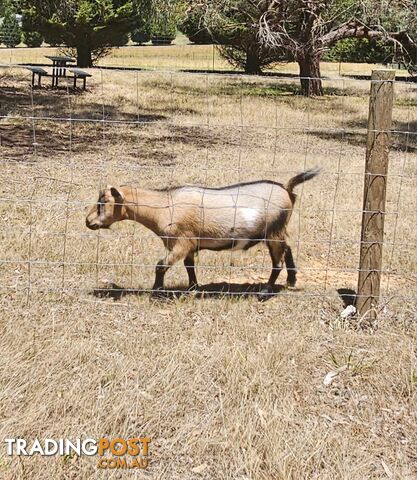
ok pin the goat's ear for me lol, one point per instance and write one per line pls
(117, 195)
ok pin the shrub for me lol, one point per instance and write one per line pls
(360, 51)
(140, 36)
(10, 31)
(32, 39)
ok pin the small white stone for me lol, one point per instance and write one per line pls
(348, 311)
(328, 379)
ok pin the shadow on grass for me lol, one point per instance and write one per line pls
(52, 125)
(211, 290)
(404, 136)
(348, 296)
(259, 87)
(55, 104)
(24, 136)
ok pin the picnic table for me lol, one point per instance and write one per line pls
(59, 67)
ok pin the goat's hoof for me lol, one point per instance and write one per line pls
(158, 295)
(291, 279)
(265, 294)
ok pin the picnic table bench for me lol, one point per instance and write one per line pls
(40, 72)
(78, 73)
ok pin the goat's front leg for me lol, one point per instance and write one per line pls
(176, 254)
(190, 266)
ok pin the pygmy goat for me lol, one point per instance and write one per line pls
(193, 218)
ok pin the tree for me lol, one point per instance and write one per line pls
(141, 34)
(194, 28)
(304, 30)
(10, 31)
(4, 5)
(91, 27)
(233, 25)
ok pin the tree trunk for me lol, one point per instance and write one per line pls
(252, 64)
(310, 77)
(84, 59)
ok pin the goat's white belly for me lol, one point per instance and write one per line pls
(249, 216)
(247, 220)
(239, 243)
(223, 244)
(243, 225)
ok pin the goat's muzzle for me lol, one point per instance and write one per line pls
(92, 226)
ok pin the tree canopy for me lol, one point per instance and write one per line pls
(165, 17)
(303, 30)
(306, 29)
(234, 27)
(89, 26)
(361, 50)
(142, 30)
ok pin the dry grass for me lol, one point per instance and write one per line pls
(174, 57)
(227, 388)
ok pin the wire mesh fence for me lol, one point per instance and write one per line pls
(153, 130)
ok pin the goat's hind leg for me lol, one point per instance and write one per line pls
(291, 268)
(277, 248)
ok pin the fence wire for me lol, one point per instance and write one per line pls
(155, 130)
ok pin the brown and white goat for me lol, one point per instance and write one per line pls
(193, 218)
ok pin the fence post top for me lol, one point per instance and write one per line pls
(383, 74)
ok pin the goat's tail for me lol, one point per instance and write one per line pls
(301, 178)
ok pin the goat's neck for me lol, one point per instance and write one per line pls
(148, 207)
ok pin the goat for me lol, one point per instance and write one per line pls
(193, 218)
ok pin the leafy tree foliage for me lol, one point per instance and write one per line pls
(141, 34)
(304, 30)
(91, 27)
(165, 17)
(143, 29)
(234, 26)
(360, 51)
(194, 28)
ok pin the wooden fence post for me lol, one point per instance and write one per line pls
(376, 170)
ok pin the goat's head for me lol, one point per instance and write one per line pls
(109, 209)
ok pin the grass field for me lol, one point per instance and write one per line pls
(178, 56)
(226, 387)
